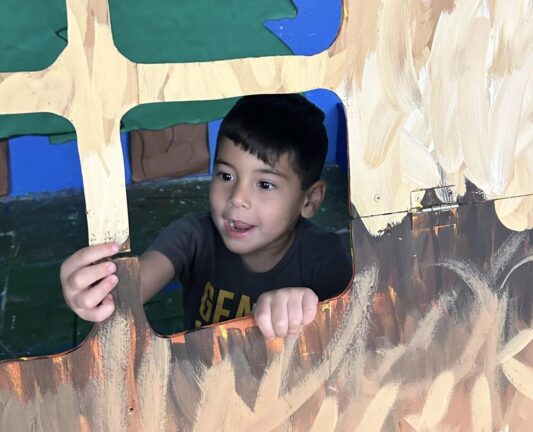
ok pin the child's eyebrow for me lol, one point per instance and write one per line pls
(272, 171)
(223, 162)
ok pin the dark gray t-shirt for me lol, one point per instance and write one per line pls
(218, 287)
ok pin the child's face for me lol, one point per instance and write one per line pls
(254, 205)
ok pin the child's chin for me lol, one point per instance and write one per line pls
(237, 247)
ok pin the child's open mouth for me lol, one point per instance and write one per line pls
(238, 228)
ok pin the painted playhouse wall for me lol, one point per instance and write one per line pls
(436, 331)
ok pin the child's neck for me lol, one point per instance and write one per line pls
(264, 260)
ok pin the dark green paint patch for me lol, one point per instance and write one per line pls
(166, 31)
(12, 125)
(31, 34)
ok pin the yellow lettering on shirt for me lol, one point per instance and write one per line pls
(219, 310)
(206, 305)
(244, 307)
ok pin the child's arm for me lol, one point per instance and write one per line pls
(156, 272)
(284, 312)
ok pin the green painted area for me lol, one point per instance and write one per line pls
(165, 31)
(30, 34)
(38, 233)
(60, 129)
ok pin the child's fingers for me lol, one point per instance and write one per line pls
(90, 298)
(87, 256)
(309, 306)
(263, 318)
(279, 315)
(102, 311)
(86, 276)
(295, 315)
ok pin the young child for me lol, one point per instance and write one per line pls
(256, 246)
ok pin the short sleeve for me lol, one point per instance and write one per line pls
(180, 242)
(329, 264)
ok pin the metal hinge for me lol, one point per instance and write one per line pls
(433, 208)
(443, 198)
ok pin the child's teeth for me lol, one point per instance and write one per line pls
(239, 226)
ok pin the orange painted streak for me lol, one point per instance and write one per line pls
(131, 387)
(93, 347)
(62, 370)
(14, 376)
(217, 355)
(386, 323)
(84, 424)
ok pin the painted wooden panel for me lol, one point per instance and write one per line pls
(435, 333)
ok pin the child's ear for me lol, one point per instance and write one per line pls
(313, 198)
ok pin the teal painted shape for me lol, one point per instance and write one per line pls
(12, 125)
(163, 31)
(31, 35)
(197, 30)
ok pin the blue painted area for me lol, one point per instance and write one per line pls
(212, 133)
(38, 166)
(313, 30)
(328, 101)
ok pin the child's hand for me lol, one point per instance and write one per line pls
(86, 285)
(284, 312)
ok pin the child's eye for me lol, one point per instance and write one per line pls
(266, 185)
(224, 176)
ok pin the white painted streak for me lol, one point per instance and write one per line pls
(395, 53)
(326, 419)
(111, 398)
(437, 401)
(505, 118)
(519, 375)
(481, 406)
(516, 345)
(153, 382)
(472, 102)
(379, 408)
(418, 166)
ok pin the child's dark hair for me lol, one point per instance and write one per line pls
(267, 126)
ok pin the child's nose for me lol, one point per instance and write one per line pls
(240, 197)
